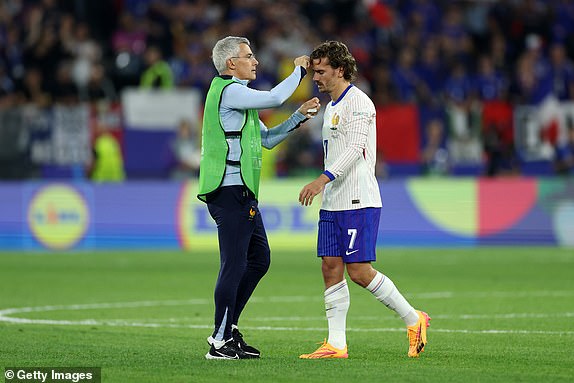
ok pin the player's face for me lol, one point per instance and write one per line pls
(244, 65)
(326, 77)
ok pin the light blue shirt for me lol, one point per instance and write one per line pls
(238, 97)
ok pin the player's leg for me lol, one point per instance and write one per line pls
(383, 288)
(362, 227)
(336, 293)
(337, 300)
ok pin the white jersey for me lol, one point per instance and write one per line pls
(349, 146)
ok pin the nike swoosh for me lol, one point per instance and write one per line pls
(227, 356)
(326, 353)
(351, 252)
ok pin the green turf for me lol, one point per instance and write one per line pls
(499, 315)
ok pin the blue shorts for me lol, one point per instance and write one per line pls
(350, 234)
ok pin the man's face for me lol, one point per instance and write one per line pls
(325, 76)
(244, 64)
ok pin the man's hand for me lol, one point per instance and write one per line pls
(303, 61)
(310, 108)
(309, 191)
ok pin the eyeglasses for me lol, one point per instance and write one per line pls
(250, 56)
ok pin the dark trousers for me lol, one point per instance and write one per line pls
(243, 251)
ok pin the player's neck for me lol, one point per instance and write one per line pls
(338, 91)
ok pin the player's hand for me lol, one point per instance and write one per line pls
(310, 108)
(303, 61)
(310, 190)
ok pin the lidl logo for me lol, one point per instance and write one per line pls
(58, 216)
(288, 225)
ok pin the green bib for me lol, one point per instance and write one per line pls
(214, 148)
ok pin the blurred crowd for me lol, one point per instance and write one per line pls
(435, 53)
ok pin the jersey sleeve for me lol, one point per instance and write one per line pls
(271, 137)
(237, 96)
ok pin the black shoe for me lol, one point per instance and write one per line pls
(249, 350)
(230, 350)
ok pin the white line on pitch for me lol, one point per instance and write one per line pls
(93, 322)
(381, 318)
(5, 314)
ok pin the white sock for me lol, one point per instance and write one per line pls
(216, 343)
(386, 292)
(337, 302)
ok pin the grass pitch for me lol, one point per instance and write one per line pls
(499, 315)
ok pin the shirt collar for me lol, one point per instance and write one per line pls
(333, 103)
(228, 77)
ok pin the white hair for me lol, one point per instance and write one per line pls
(224, 49)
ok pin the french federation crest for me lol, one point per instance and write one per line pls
(335, 121)
(334, 125)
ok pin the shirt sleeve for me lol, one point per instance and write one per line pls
(271, 137)
(237, 96)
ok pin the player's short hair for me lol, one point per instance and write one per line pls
(224, 49)
(339, 57)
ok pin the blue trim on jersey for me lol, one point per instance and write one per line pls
(333, 103)
(329, 174)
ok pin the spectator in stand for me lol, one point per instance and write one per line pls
(561, 72)
(108, 162)
(12, 52)
(458, 87)
(533, 81)
(435, 155)
(564, 154)
(66, 90)
(405, 79)
(7, 87)
(456, 44)
(180, 66)
(186, 152)
(99, 86)
(431, 70)
(200, 68)
(499, 53)
(489, 84)
(87, 54)
(128, 43)
(158, 73)
(44, 50)
(32, 90)
(463, 118)
(498, 151)
(563, 25)
(425, 13)
(382, 87)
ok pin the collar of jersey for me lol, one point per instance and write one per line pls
(333, 103)
(228, 77)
